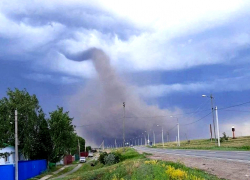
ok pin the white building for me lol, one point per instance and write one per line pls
(9, 159)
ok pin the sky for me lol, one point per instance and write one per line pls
(166, 53)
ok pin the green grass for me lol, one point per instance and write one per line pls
(67, 169)
(238, 144)
(135, 166)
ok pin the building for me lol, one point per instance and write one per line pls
(10, 159)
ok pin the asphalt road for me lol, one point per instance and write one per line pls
(239, 156)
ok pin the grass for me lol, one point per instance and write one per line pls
(67, 169)
(238, 144)
(136, 166)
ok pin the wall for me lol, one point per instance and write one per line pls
(11, 150)
(26, 169)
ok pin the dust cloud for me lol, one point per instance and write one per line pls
(98, 106)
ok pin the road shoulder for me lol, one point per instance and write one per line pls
(221, 168)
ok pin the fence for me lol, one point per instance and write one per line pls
(26, 169)
(67, 159)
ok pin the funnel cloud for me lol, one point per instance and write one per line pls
(98, 107)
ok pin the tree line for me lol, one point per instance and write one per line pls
(40, 137)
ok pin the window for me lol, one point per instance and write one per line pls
(7, 159)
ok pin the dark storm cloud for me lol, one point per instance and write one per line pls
(74, 17)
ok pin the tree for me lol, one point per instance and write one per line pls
(75, 148)
(82, 144)
(88, 148)
(62, 133)
(30, 116)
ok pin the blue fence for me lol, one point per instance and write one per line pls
(7, 172)
(26, 170)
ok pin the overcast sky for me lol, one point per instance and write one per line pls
(168, 52)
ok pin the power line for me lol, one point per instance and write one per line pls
(236, 110)
(235, 105)
(171, 128)
(197, 120)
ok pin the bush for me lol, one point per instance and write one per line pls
(102, 156)
(109, 159)
(118, 156)
(224, 138)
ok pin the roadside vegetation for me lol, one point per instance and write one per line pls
(230, 144)
(40, 136)
(47, 172)
(135, 166)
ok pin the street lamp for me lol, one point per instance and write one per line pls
(212, 106)
(154, 136)
(144, 138)
(148, 136)
(178, 129)
(162, 135)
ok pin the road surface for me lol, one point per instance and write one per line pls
(237, 156)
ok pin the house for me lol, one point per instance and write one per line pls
(10, 159)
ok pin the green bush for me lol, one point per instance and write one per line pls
(102, 156)
(118, 156)
(224, 138)
(109, 159)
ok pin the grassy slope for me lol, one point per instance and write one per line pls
(134, 167)
(241, 143)
(67, 169)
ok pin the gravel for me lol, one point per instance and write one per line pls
(221, 168)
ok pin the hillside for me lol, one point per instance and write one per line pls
(240, 143)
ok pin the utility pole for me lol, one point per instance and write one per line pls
(16, 147)
(211, 132)
(178, 129)
(148, 139)
(123, 124)
(154, 137)
(178, 126)
(138, 141)
(217, 124)
(141, 141)
(211, 97)
(115, 144)
(162, 136)
(79, 149)
(167, 136)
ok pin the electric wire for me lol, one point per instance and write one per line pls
(234, 105)
(196, 120)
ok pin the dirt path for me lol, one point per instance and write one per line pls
(70, 172)
(222, 169)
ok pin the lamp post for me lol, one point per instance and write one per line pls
(178, 129)
(144, 138)
(162, 135)
(212, 106)
(154, 136)
(123, 125)
(148, 137)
